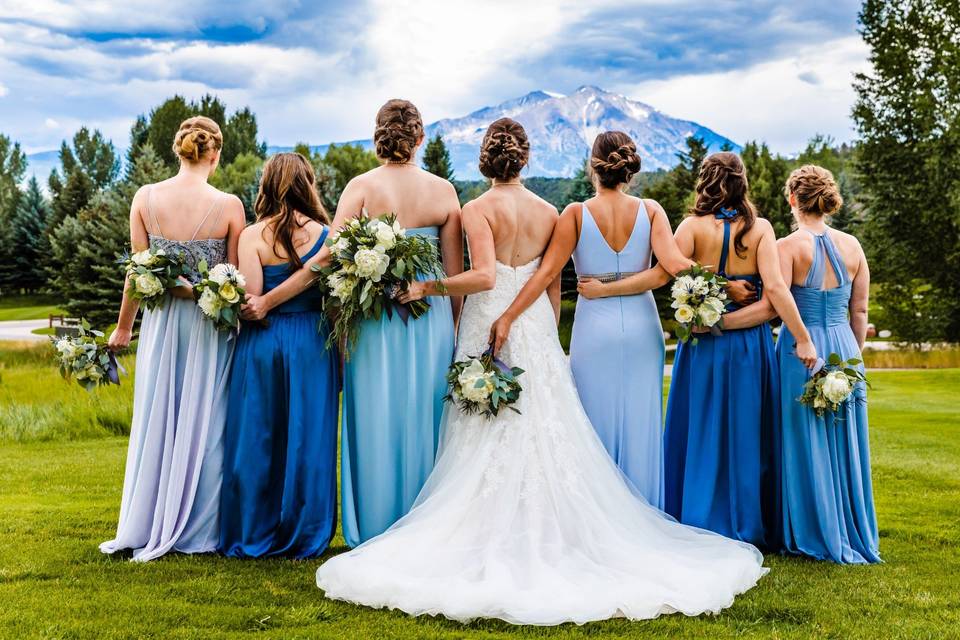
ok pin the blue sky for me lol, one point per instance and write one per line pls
(317, 71)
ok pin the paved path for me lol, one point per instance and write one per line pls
(21, 330)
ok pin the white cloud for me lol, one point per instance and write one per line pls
(50, 123)
(3, 90)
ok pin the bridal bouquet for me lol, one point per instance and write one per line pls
(372, 260)
(150, 273)
(483, 385)
(699, 297)
(86, 358)
(219, 294)
(831, 383)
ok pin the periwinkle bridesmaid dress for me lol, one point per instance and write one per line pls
(617, 354)
(826, 488)
(721, 429)
(393, 389)
(280, 455)
(171, 486)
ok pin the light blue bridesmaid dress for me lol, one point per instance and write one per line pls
(280, 455)
(721, 429)
(171, 487)
(393, 389)
(825, 482)
(617, 353)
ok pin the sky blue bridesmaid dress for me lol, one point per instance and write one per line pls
(279, 473)
(825, 486)
(393, 389)
(720, 437)
(617, 352)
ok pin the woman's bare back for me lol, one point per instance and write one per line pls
(419, 198)
(521, 221)
(708, 243)
(183, 210)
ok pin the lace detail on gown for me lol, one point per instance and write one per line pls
(526, 518)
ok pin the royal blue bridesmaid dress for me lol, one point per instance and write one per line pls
(825, 481)
(720, 436)
(279, 473)
(393, 389)
(617, 353)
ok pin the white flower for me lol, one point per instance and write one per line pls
(342, 285)
(371, 263)
(384, 235)
(209, 303)
(700, 287)
(148, 285)
(142, 258)
(836, 387)
(63, 345)
(340, 246)
(819, 402)
(708, 315)
(469, 379)
(684, 313)
(399, 231)
(716, 303)
(229, 293)
(226, 272)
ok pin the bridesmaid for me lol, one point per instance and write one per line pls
(280, 455)
(825, 481)
(171, 489)
(723, 406)
(395, 377)
(617, 349)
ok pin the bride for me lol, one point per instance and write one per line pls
(525, 517)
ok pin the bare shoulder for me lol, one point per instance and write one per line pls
(653, 208)
(252, 235)
(572, 210)
(479, 206)
(542, 206)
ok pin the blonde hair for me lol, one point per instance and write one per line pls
(815, 189)
(197, 138)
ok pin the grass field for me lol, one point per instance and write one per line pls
(60, 483)
(27, 307)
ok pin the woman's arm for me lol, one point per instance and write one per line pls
(757, 313)
(663, 242)
(562, 243)
(237, 222)
(769, 266)
(553, 293)
(257, 307)
(451, 250)
(860, 300)
(139, 241)
(249, 260)
(482, 274)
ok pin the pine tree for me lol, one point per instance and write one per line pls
(581, 187)
(13, 164)
(88, 165)
(241, 178)
(436, 158)
(30, 239)
(767, 173)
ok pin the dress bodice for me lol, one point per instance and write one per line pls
(727, 215)
(275, 274)
(819, 306)
(211, 250)
(594, 257)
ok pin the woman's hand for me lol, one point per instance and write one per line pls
(499, 332)
(183, 290)
(807, 353)
(119, 339)
(741, 292)
(254, 308)
(415, 291)
(591, 288)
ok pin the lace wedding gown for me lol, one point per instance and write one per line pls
(527, 519)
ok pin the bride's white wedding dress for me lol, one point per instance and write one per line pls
(527, 519)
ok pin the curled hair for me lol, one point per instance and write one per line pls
(287, 187)
(614, 160)
(505, 150)
(722, 184)
(399, 131)
(815, 189)
(198, 137)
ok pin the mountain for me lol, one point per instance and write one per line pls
(562, 128)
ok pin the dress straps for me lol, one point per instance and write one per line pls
(151, 214)
(219, 209)
(824, 250)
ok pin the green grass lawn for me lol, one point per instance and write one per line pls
(27, 308)
(60, 493)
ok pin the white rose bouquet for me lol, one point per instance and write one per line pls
(831, 383)
(699, 298)
(150, 273)
(483, 385)
(219, 294)
(86, 358)
(372, 260)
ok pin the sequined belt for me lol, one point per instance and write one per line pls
(607, 277)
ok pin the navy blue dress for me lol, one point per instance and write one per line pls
(720, 434)
(279, 468)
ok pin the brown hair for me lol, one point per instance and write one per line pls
(287, 188)
(722, 184)
(614, 160)
(505, 150)
(198, 137)
(816, 191)
(399, 129)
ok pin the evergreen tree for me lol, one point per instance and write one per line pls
(581, 187)
(88, 165)
(240, 137)
(241, 178)
(31, 247)
(13, 165)
(325, 177)
(348, 161)
(767, 173)
(908, 116)
(436, 158)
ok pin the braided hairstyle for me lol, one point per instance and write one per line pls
(399, 131)
(722, 184)
(505, 150)
(614, 160)
(815, 189)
